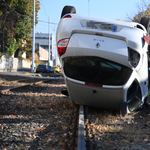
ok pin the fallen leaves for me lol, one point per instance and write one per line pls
(40, 113)
(64, 127)
(145, 140)
(110, 131)
(61, 143)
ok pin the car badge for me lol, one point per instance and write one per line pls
(98, 45)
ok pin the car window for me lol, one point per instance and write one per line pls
(41, 65)
(96, 70)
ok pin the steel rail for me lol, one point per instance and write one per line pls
(10, 88)
(81, 137)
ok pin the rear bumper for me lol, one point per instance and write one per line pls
(101, 97)
(106, 97)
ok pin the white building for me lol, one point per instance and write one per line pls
(42, 40)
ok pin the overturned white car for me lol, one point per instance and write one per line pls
(105, 62)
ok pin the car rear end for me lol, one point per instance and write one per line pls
(103, 61)
(42, 68)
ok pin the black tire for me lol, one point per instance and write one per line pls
(145, 21)
(64, 91)
(67, 10)
(123, 109)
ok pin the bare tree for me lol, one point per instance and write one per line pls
(142, 10)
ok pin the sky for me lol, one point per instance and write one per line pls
(108, 9)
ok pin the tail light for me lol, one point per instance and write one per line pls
(92, 84)
(61, 46)
(67, 16)
(37, 67)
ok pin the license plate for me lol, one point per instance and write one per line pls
(100, 25)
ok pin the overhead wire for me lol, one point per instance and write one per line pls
(55, 24)
(44, 9)
(48, 22)
(47, 17)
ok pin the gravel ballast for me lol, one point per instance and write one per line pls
(36, 117)
(39, 117)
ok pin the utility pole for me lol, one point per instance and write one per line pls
(88, 8)
(33, 34)
(49, 43)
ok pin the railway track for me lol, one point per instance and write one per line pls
(81, 133)
(18, 84)
(9, 83)
(35, 115)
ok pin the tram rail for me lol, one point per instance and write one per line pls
(81, 135)
(72, 130)
(16, 84)
(62, 125)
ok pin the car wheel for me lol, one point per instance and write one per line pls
(145, 21)
(67, 10)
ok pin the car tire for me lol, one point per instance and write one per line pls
(67, 10)
(145, 21)
(123, 109)
(64, 91)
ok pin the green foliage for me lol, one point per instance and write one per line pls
(16, 24)
(23, 28)
(10, 50)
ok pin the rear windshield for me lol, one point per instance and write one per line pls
(41, 65)
(96, 70)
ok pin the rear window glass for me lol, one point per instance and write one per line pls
(41, 65)
(96, 70)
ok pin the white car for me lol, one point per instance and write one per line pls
(105, 62)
